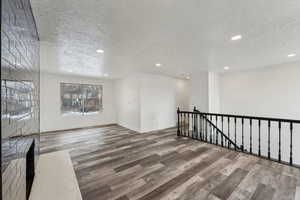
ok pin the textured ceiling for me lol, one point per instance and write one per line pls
(185, 36)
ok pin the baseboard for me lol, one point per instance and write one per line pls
(148, 131)
(75, 129)
(129, 128)
(105, 125)
(158, 130)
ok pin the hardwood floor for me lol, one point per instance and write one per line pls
(116, 163)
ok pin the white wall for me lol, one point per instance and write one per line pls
(50, 102)
(160, 96)
(269, 92)
(127, 93)
(198, 87)
(213, 92)
(148, 102)
(141, 102)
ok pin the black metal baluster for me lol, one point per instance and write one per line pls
(188, 131)
(193, 125)
(184, 120)
(200, 127)
(235, 132)
(269, 130)
(185, 124)
(204, 127)
(217, 133)
(259, 125)
(178, 122)
(228, 127)
(250, 136)
(242, 134)
(197, 126)
(181, 128)
(206, 140)
(222, 138)
(279, 142)
(214, 135)
(291, 143)
(210, 130)
(182, 124)
(198, 118)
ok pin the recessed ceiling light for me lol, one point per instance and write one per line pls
(100, 51)
(105, 75)
(226, 68)
(291, 55)
(158, 65)
(236, 37)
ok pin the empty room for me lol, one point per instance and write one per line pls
(150, 100)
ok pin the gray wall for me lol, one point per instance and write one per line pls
(19, 94)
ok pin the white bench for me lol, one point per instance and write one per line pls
(297, 195)
(55, 178)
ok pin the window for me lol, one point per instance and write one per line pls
(80, 98)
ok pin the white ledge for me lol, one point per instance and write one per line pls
(55, 178)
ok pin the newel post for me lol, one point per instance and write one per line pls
(178, 122)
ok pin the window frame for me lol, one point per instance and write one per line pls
(82, 107)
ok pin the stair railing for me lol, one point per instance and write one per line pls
(259, 136)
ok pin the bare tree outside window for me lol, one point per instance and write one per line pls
(80, 98)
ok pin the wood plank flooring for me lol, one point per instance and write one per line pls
(116, 163)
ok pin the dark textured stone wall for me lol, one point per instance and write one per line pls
(19, 94)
